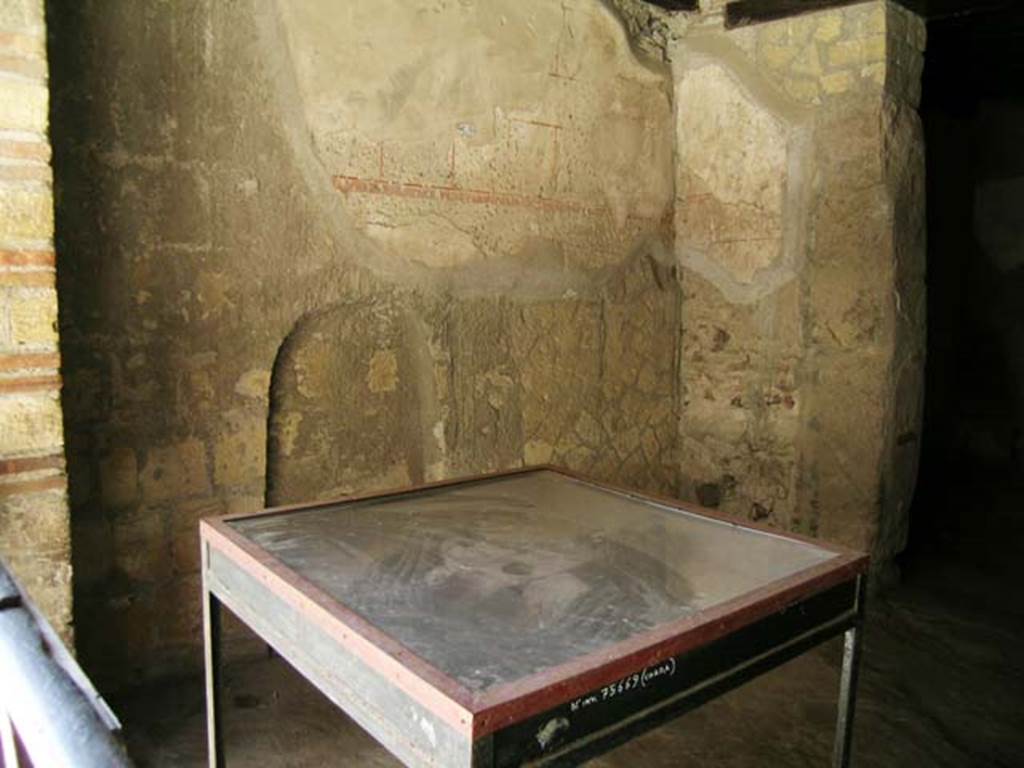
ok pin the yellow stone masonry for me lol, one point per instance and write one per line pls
(34, 525)
(30, 423)
(33, 318)
(818, 56)
(23, 105)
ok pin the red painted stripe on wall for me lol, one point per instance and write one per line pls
(31, 464)
(25, 150)
(20, 258)
(349, 184)
(12, 43)
(32, 486)
(34, 68)
(31, 384)
(37, 360)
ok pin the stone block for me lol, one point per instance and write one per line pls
(33, 318)
(23, 105)
(857, 53)
(795, 30)
(21, 16)
(30, 422)
(26, 212)
(778, 56)
(869, 19)
(35, 523)
(875, 73)
(808, 62)
(837, 82)
(829, 27)
(175, 472)
(806, 90)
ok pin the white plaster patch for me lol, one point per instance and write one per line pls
(732, 144)
(741, 184)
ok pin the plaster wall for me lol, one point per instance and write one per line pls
(293, 233)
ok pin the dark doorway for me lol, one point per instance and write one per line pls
(968, 512)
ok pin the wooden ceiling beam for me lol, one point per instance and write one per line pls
(743, 12)
(677, 5)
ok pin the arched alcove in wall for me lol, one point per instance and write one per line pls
(350, 394)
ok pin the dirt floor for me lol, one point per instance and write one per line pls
(942, 685)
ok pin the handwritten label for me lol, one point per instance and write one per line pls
(641, 679)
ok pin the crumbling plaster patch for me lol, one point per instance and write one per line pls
(743, 183)
(539, 131)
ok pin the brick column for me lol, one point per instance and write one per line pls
(34, 525)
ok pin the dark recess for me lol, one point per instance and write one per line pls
(970, 491)
(677, 5)
(744, 12)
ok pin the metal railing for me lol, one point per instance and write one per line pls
(50, 714)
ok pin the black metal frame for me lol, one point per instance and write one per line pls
(698, 677)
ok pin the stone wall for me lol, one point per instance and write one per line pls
(414, 239)
(34, 530)
(309, 251)
(799, 227)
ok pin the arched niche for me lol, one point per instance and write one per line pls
(351, 404)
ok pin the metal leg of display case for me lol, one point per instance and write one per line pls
(852, 640)
(211, 646)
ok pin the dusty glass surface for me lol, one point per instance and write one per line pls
(494, 580)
